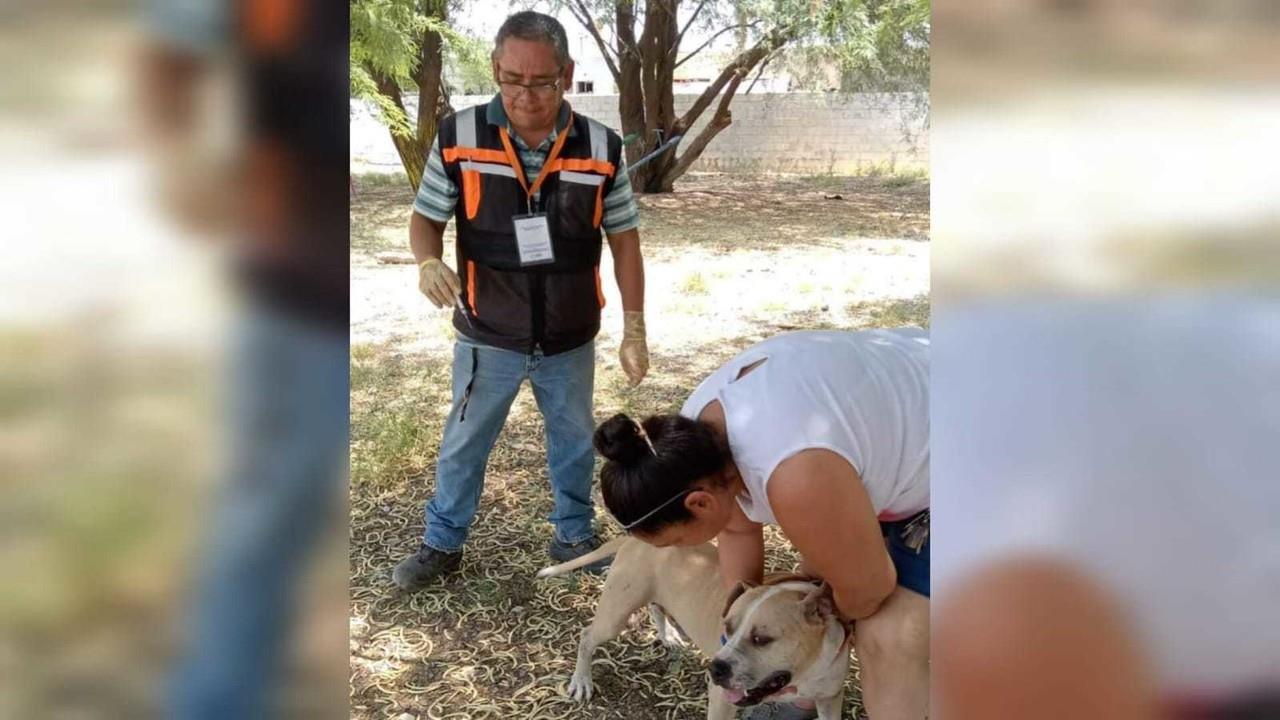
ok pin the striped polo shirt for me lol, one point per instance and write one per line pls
(437, 195)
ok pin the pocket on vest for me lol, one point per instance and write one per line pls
(499, 301)
(580, 202)
(573, 305)
(497, 196)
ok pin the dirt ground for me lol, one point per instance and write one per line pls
(729, 260)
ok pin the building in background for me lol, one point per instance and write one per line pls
(694, 76)
(591, 75)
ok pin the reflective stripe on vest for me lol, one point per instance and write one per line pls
(474, 162)
(605, 168)
(488, 168)
(466, 124)
(599, 141)
(581, 178)
(600, 164)
(455, 154)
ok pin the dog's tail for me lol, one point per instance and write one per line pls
(608, 549)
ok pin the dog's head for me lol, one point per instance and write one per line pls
(774, 635)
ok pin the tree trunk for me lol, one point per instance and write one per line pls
(413, 157)
(659, 48)
(630, 95)
(646, 79)
(433, 102)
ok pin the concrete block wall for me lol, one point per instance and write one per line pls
(792, 132)
(809, 133)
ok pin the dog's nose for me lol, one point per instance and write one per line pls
(720, 672)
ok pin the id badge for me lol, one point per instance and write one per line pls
(533, 239)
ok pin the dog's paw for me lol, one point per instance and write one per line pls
(580, 687)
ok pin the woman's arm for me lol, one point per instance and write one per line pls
(741, 547)
(825, 512)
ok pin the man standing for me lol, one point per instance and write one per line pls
(531, 185)
(286, 421)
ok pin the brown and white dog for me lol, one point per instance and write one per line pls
(778, 642)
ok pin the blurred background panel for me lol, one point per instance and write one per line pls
(132, 285)
(1106, 333)
(1106, 145)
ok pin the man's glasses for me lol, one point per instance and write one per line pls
(513, 90)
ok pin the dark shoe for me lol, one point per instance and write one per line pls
(564, 552)
(423, 567)
(779, 711)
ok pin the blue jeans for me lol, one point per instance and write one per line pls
(286, 454)
(485, 382)
(912, 565)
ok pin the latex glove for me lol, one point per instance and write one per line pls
(438, 282)
(634, 351)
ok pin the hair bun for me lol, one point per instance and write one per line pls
(618, 439)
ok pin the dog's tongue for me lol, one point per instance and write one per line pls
(733, 695)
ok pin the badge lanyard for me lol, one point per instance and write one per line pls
(519, 166)
(533, 236)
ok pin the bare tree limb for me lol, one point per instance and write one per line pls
(624, 30)
(760, 72)
(744, 62)
(721, 120)
(688, 24)
(583, 16)
(712, 39)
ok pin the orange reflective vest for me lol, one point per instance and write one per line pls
(555, 306)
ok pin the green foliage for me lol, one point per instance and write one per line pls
(386, 38)
(849, 45)
(868, 45)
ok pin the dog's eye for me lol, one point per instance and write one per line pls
(760, 640)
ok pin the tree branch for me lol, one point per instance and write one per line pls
(692, 17)
(760, 72)
(624, 31)
(721, 120)
(712, 39)
(630, 96)
(584, 19)
(429, 79)
(744, 62)
(659, 18)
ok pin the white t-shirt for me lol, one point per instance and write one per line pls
(862, 395)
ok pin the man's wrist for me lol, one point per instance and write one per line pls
(633, 323)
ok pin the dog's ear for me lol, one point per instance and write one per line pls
(819, 604)
(734, 594)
